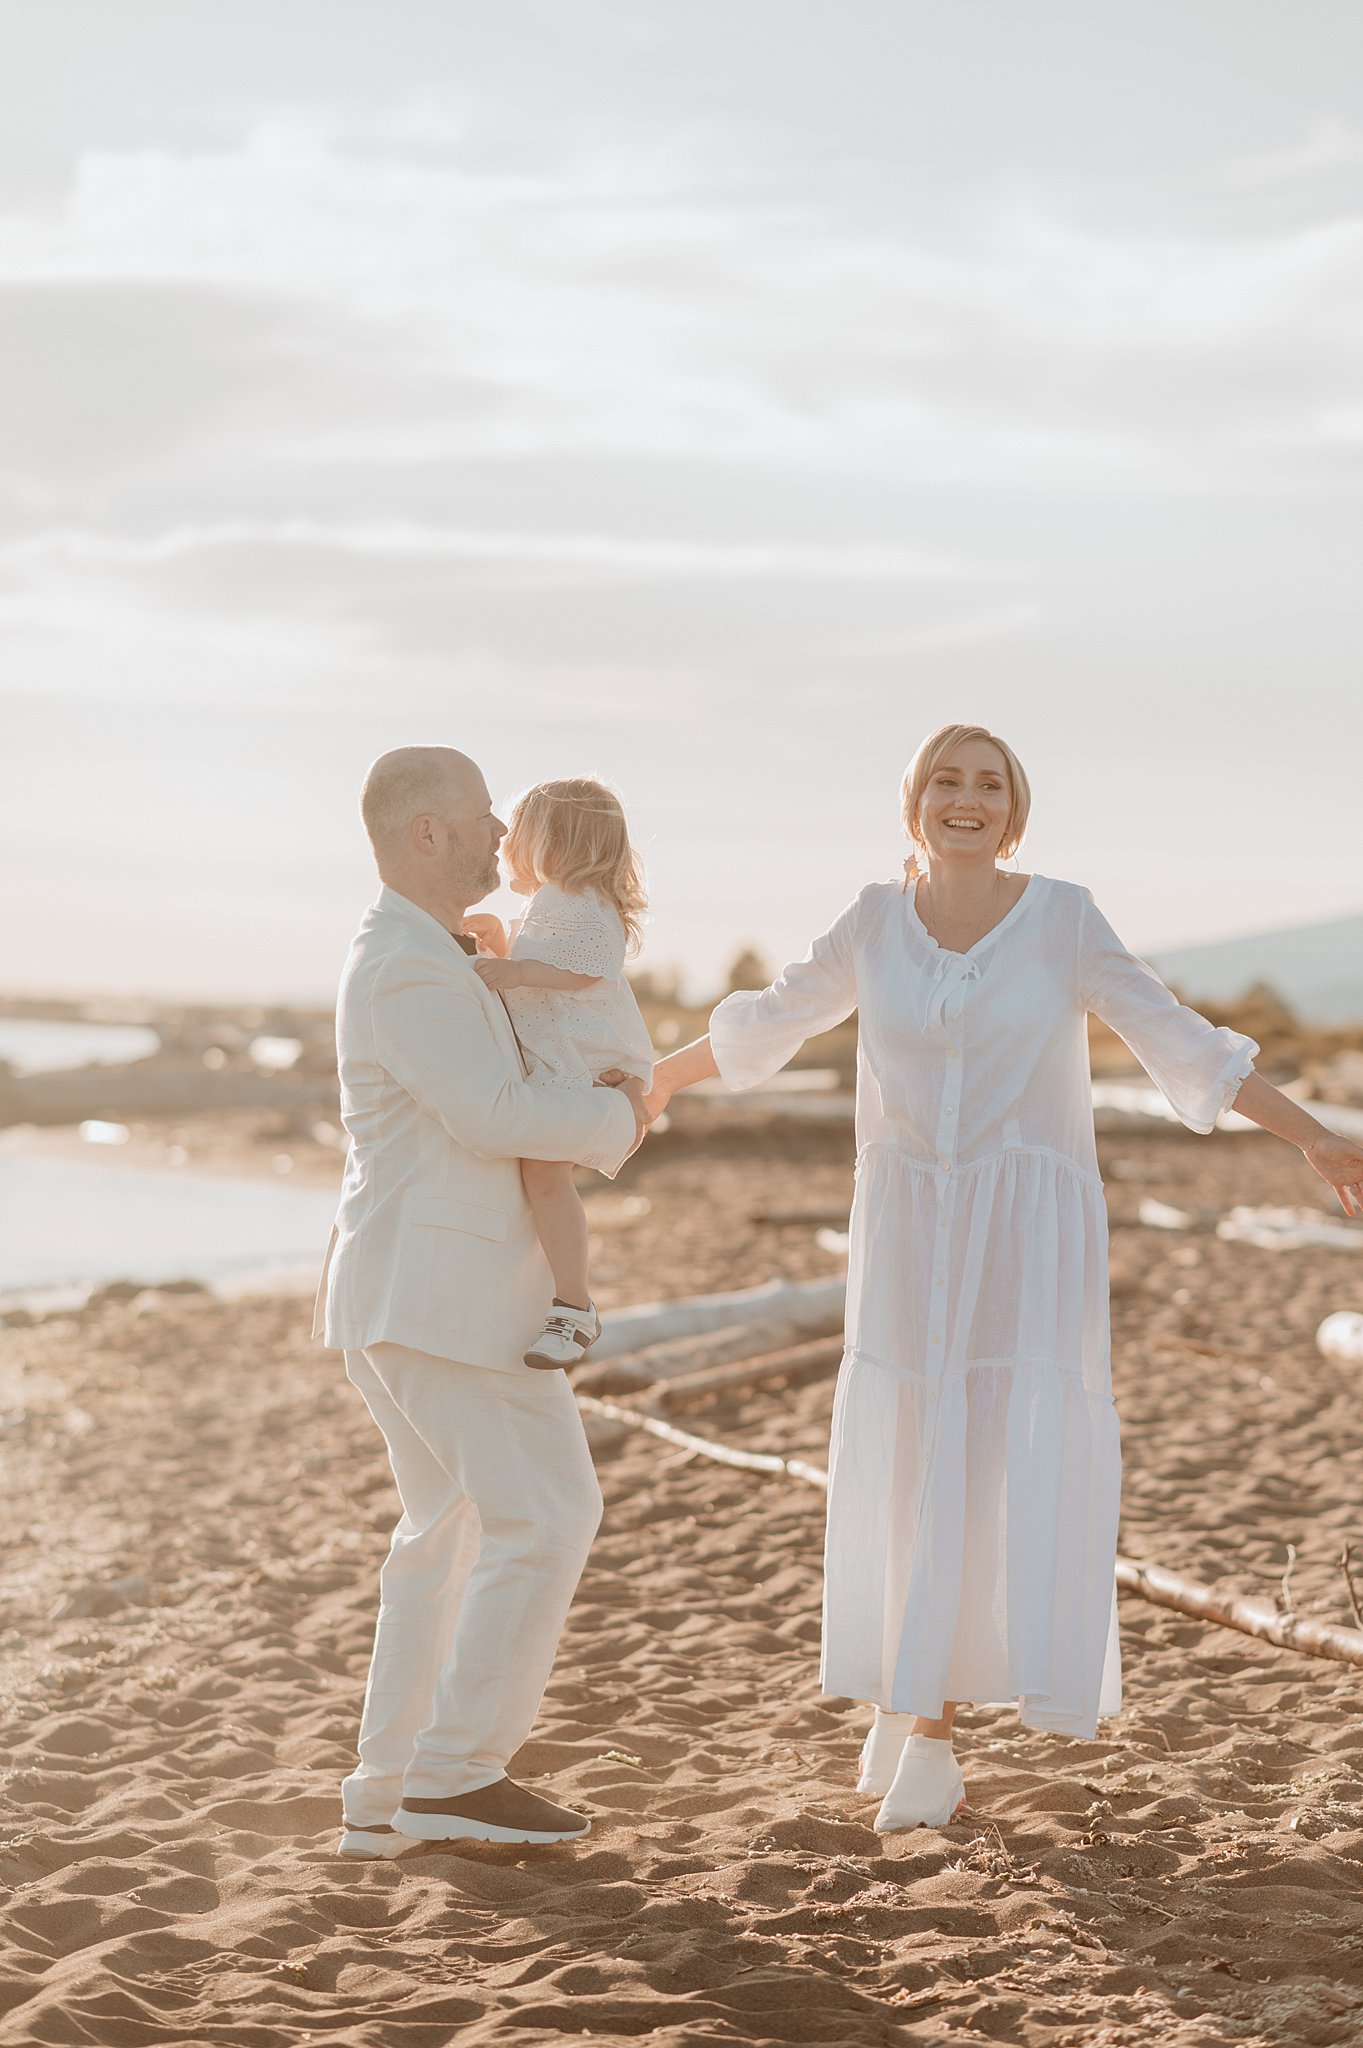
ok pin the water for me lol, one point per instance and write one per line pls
(43, 1046)
(67, 1224)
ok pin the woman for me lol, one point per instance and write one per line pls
(975, 1466)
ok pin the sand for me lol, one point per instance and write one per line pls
(174, 1742)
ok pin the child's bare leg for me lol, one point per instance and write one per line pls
(561, 1222)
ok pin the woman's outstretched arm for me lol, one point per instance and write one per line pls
(680, 1069)
(1338, 1161)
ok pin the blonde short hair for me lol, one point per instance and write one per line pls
(935, 749)
(574, 833)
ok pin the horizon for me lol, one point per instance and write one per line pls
(688, 997)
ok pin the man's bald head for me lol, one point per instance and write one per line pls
(430, 823)
(412, 782)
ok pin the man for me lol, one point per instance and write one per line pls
(434, 1286)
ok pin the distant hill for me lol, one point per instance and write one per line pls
(1317, 969)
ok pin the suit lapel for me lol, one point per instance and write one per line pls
(501, 1022)
(391, 903)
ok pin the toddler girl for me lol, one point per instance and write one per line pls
(561, 973)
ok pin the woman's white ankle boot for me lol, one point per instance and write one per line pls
(881, 1750)
(927, 1788)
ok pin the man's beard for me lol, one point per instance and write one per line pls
(484, 880)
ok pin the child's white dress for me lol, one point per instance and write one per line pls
(570, 1037)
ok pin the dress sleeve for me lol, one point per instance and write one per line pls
(755, 1031)
(576, 930)
(1197, 1066)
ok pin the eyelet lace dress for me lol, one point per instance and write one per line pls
(570, 1037)
(975, 1465)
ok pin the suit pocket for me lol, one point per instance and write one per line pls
(444, 1212)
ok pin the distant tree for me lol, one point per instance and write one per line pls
(1265, 1001)
(747, 970)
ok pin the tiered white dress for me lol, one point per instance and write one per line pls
(568, 1038)
(975, 1468)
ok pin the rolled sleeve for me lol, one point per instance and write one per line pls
(754, 1032)
(1197, 1066)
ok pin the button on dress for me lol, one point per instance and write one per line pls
(975, 1464)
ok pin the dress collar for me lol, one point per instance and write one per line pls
(1028, 896)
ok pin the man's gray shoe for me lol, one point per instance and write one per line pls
(379, 1839)
(501, 1812)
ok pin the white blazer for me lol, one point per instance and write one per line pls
(434, 1246)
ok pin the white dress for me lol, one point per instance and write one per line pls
(570, 1037)
(975, 1466)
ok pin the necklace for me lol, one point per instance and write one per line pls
(942, 930)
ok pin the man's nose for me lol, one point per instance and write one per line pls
(498, 830)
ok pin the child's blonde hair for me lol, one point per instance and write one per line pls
(574, 833)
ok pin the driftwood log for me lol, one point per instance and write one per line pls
(808, 1307)
(811, 1218)
(683, 1357)
(796, 1362)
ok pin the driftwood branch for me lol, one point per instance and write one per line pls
(705, 1447)
(1234, 1610)
(1345, 1558)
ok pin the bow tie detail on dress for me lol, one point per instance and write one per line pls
(945, 992)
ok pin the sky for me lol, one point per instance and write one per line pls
(712, 395)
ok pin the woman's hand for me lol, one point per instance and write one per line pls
(498, 974)
(657, 1098)
(680, 1069)
(489, 931)
(1340, 1162)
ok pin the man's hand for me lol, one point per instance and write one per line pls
(631, 1087)
(489, 931)
(498, 974)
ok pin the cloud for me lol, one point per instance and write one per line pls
(611, 617)
(615, 302)
(1328, 148)
(1004, 622)
(115, 377)
(592, 556)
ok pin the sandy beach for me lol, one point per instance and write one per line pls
(195, 1512)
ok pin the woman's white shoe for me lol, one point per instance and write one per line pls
(928, 1789)
(881, 1750)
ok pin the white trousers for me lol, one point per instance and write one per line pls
(499, 1507)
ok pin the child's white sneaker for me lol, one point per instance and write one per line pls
(928, 1789)
(568, 1335)
(881, 1751)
